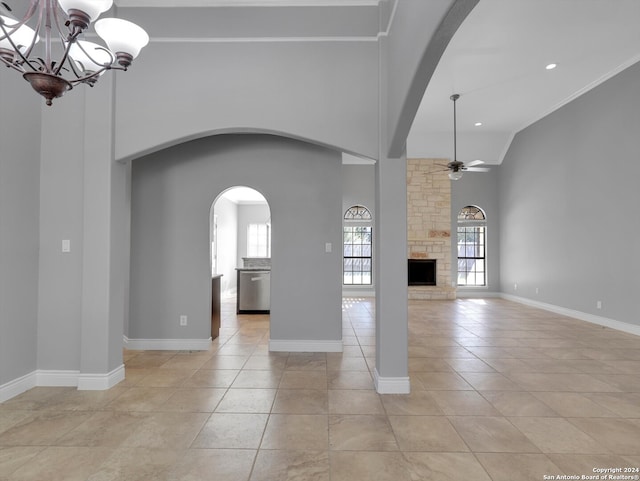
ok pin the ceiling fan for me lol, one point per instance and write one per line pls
(456, 167)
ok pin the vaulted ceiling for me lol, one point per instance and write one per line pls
(496, 62)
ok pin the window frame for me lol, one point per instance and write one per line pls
(357, 217)
(258, 246)
(472, 225)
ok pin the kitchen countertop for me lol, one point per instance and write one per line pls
(253, 268)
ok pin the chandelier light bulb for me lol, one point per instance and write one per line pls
(122, 36)
(90, 8)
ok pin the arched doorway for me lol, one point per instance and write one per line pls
(240, 255)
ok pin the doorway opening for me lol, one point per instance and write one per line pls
(240, 255)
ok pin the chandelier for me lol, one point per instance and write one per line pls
(61, 25)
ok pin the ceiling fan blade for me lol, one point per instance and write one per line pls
(477, 169)
(473, 163)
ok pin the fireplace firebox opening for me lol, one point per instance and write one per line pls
(422, 272)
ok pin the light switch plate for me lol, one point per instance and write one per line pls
(66, 245)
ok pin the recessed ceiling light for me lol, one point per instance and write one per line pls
(478, 124)
(551, 66)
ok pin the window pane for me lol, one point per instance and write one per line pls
(258, 240)
(357, 254)
(471, 249)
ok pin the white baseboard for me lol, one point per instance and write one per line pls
(55, 378)
(472, 293)
(358, 292)
(583, 316)
(17, 386)
(167, 344)
(61, 378)
(391, 385)
(286, 345)
(100, 382)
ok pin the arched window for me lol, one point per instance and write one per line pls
(357, 246)
(472, 230)
(357, 212)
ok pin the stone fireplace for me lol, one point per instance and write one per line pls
(429, 224)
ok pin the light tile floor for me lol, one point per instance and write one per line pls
(500, 391)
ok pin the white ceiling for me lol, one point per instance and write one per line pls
(244, 195)
(496, 62)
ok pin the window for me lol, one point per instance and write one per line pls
(471, 247)
(357, 246)
(258, 240)
(357, 212)
(214, 246)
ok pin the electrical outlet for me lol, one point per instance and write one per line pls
(537, 291)
(183, 320)
(599, 305)
(515, 286)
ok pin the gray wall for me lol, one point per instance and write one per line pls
(358, 187)
(479, 189)
(19, 225)
(568, 201)
(172, 192)
(61, 217)
(308, 90)
(227, 213)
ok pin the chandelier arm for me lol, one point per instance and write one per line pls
(65, 56)
(106, 66)
(12, 65)
(33, 6)
(24, 56)
(91, 78)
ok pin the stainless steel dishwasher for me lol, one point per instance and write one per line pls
(254, 291)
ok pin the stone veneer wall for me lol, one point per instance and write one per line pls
(429, 223)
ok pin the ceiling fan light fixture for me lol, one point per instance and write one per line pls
(455, 167)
